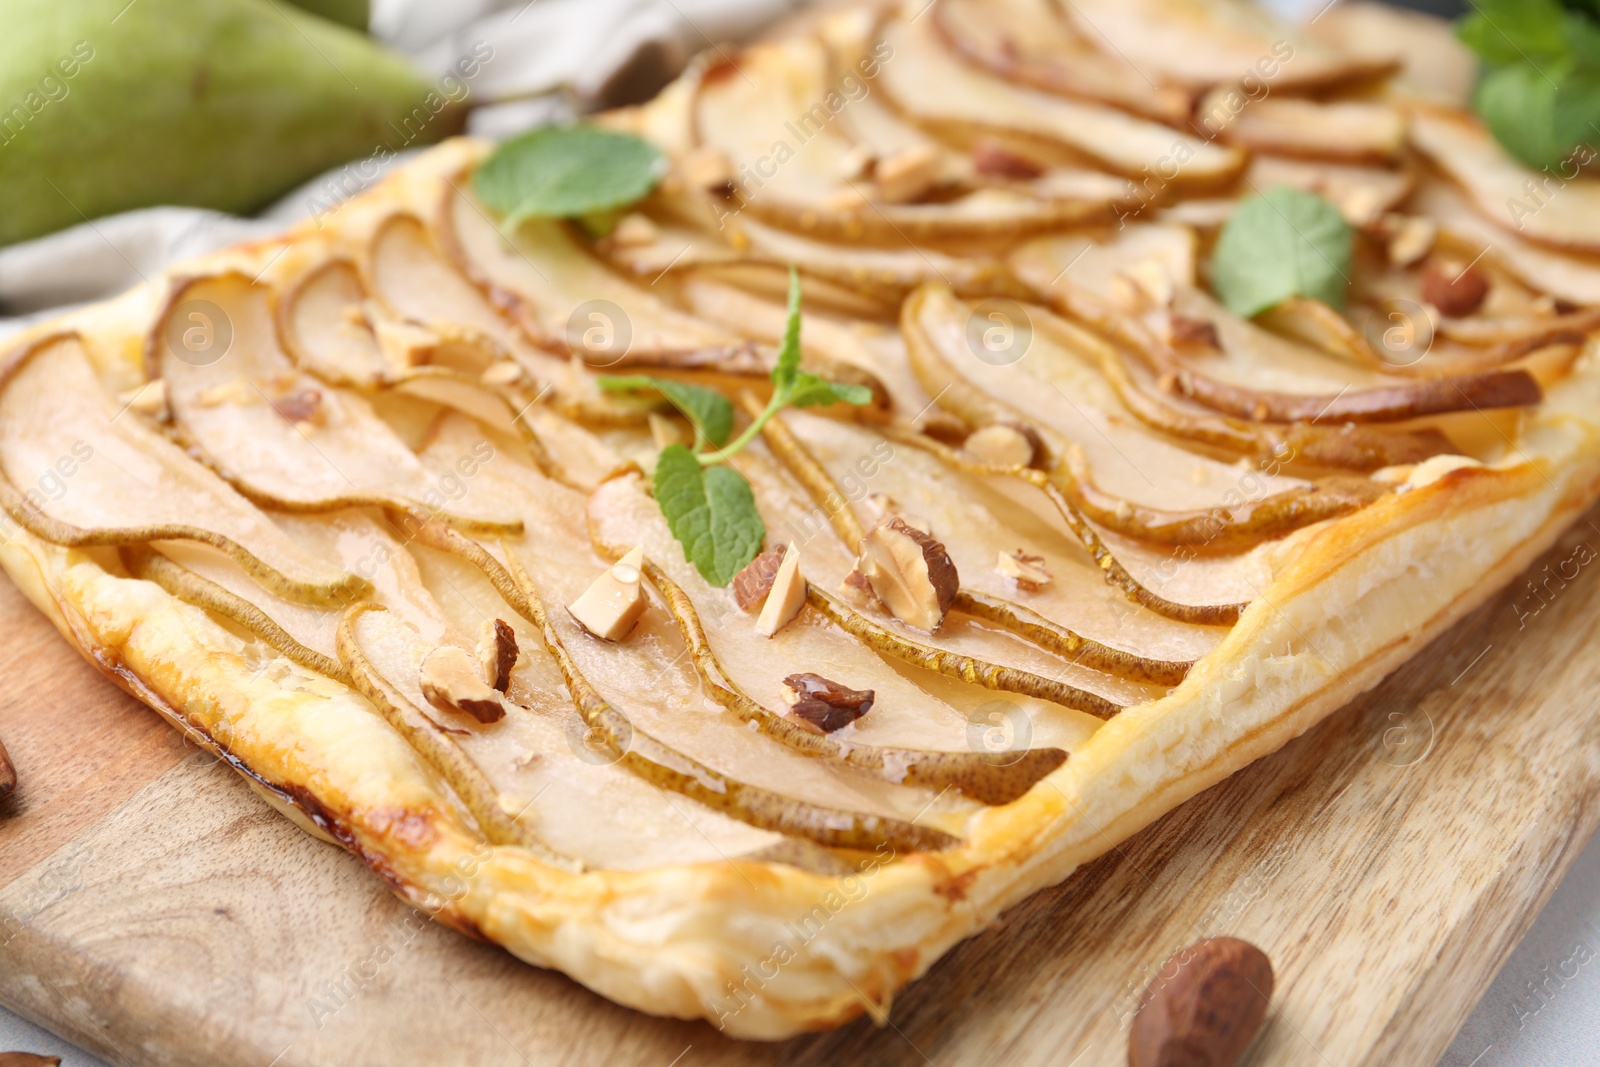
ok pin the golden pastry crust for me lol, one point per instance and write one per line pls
(767, 949)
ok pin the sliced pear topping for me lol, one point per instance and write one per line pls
(451, 680)
(399, 710)
(611, 730)
(129, 484)
(498, 653)
(786, 597)
(938, 90)
(145, 563)
(611, 605)
(910, 572)
(972, 774)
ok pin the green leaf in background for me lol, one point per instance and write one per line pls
(707, 410)
(1286, 242)
(1540, 117)
(567, 171)
(1515, 31)
(225, 104)
(352, 13)
(711, 511)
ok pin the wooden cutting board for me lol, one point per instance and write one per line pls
(156, 912)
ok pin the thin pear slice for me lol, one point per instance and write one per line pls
(817, 184)
(1030, 43)
(565, 300)
(1570, 276)
(649, 675)
(981, 776)
(1553, 210)
(1165, 493)
(1432, 61)
(145, 563)
(1351, 131)
(280, 436)
(370, 642)
(1256, 374)
(670, 770)
(1201, 43)
(79, 471)
(938, 90)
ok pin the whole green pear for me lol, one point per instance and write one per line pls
(107, 105)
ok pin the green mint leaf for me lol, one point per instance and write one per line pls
(1538, 122)
(1515, 31)
(783, 375)
(1583, 38)
(567, 171)
(707, 410)
(711, 511)
(812, 391)
(1286, 242)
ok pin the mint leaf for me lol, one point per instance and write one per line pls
(711, 511)
(812, 391)
(1539, 122)
(788, 366)
(567, 171)
(1515, 31)
(707, 410)
(1286, 242)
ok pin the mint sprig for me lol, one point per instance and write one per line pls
(1286, 242)
(710, 508)
(567, 172)
(1539, 93)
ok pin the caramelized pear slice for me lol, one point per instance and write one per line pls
(80, 472)
(612, 731)
(1029, 42)
(939, 91)
(357, 629)
(985, 777)
(1355, 131)
(280, 436)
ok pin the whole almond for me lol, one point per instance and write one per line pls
(1456, 290)
(1204, 1007)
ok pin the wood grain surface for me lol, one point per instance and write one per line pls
(158, 913)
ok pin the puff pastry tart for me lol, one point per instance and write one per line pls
(351, 507)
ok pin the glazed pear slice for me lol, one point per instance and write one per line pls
(1078, 414)
(820, 184)
(649, 675)
(612, 732)
(1030, 43)
(565, 300)
(1570, 276)
(382, 656)
(981, 776)
(82, 470)
(1202, 43)
(1351, 131)
(1255, 374)
(282, 437)
(1362, 193)
(1498, 187)
(929, 84)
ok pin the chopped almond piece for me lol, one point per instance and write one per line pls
(752, 584)
(994, 160)
(611, 605)
(910, 572)
(907, 175)
(786, 597)
(1027, 571)
(634, 229)
(1413, 238)
(824, 703)
(451, 682)
(1456, 289)
(497, 653)
(1187, 332)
